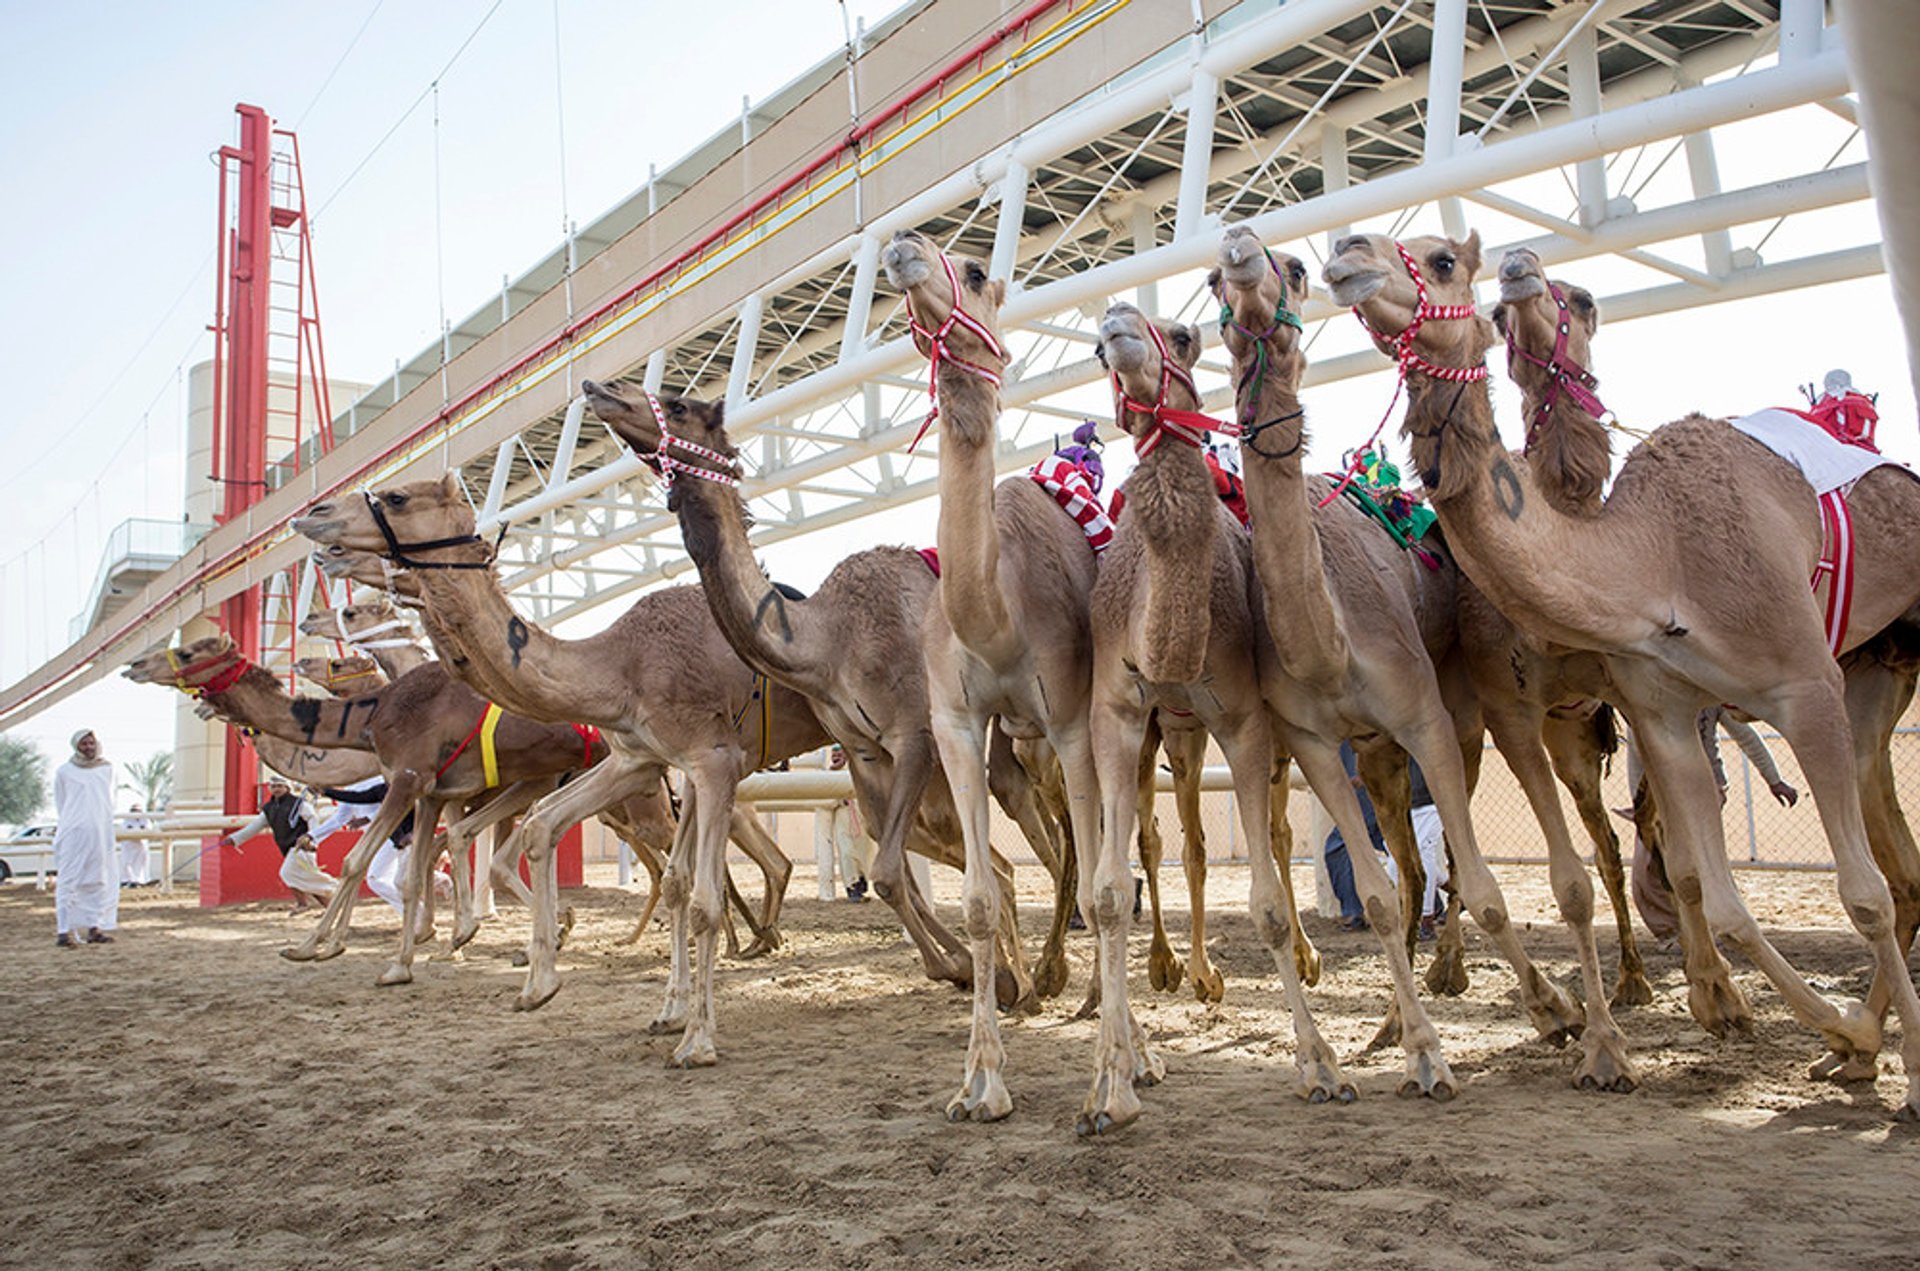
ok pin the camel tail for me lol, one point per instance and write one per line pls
(1606, 734)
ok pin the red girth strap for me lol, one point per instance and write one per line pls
(461, 749)
(937, 351)
(588, 736)
(1836, 561)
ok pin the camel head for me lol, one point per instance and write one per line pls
(1368, 274)
(365, 567)
(418, 515)
(1151, 362)
(1530, 315)
(935, 285)
(187, 667)
(355, 674)
(347, 621)
(669, 433)
(1261, 295)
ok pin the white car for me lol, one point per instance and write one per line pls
(29, 860)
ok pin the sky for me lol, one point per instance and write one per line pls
(446, 144)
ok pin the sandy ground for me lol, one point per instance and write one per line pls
(185, 1098)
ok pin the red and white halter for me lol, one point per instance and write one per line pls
(1189, 426)
(666, 465)
(1408, 360)
(1569, 377)
(937, 351)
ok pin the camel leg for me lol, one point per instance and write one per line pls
(417, 885)
(651, 861)
(328, 937)
(1164, 971)
(1556, 1016)
(1187, 756)
(711, 781)
(1106, 902)
(1696, 852)
(606, 783)
(961, 738)
(1577, 758)
(502, 806)
(775, 869)
(676, 889)
(1013, 789)
(1604, 1064)
(1306, 958)
(1427, 1072)
(941, 952)
(1013, 988)
(1383, 768)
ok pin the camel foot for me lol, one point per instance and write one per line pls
(1428, 1075)
(519, 958)
(1320, 1077)
(1844, 1069)
(1556, 1016)
(1208, 986)
(1718, 1005)
(1854, 1037)
(298, 953)
(1050, 976)
(983, 1098)
(1633, 990)
(1008, 992)
(566, 927)
(1111, 1104)
(1447, 973)
(668, 1021)
(1090, 1008)
(1148, 1068)
(395, 974)
(1306, 960)
(1164, 971)
(1388, 1036)
(538, 992)
(760, 948)
(694, 1051)
(329, 951)
(464, 932)
(632, 937)
(1605, 1065)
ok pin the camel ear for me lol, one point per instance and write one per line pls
(448, 485)
(1585, 311)
(1299, 286)
(1184, 343)
(1499, 316)
(997, 292)
(1213, 281)
(1469, 253)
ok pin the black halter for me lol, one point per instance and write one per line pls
(397, 551)
(1250, 436)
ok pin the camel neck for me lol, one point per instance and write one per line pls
(967, 533)
(256, 700)
(1569, 452)
(1176, 513)
(772, 633)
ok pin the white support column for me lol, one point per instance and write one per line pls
(1446, 58)
(866, 269)
(656, 370)
(497, 483)
(1335, 175)
(1583, 89)
(744, 341)
(569, 438)
(1146, 296)
(1801, 25)
(1203, 103)
(1704, 169)
(1006, 231)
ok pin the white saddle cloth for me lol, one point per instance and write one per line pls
(1826, 463)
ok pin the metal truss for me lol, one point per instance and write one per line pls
(1302, 119)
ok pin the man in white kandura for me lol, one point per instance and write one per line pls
(86, 898)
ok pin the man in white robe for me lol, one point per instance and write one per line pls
(136, 859)
(86, 898)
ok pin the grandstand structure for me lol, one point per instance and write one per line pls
(1089, 150)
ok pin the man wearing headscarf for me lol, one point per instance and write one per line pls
(86, 898)
(288, 816)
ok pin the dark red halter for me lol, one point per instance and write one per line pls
(937, 351)
(1564, 376)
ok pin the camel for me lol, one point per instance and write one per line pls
(1356, 622)
(355, 673)
(370, 626)
(1177, 627)
(662, 683)
(853, 648)
(644, 821)
(1008, 639)
(1691, 580)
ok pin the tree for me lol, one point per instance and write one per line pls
(151, 779)
(23, 779)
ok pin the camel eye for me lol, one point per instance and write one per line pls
(1443, 264)
(976, 276)
(677, 408)
(396, 500)
(1297, 272)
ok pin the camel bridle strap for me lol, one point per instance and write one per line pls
(1248, 389)
(358, 640)
(727, 471)
(227, 668)
(1250, 436)
(1189, 426)
(399, 553)
(1576, 381)
(1408, 361)
(938, 352)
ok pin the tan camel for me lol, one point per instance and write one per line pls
(371, 626)
(1554, 371)
(1356, 621)
(662, 683)
(853, 648)
(1008, 639)
(1177, 628)
(341, 677)
(1691, 580)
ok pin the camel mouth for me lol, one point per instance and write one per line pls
(906, 265)
(1243, 257)
(1525, 287)
(1357, 287)
(1122, 348)
(316, 528)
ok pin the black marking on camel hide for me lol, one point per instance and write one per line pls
(306, 713)
(1506, 489)
(863, 715)
(778, 601)
(516, 638)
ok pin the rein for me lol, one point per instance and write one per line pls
(1408, 360)
(397, 551)
(937, 351)
(1189, 426)
(1563, 376)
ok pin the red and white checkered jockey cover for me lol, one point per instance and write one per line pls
(1073, 492)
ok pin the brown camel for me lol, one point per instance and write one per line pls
(1008, 639)
(1356, 622)
(371, 626)
(661, 682)
(644, 821)
(1691, 579)
(853, 648)
(341, 677)
(1177, 628)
